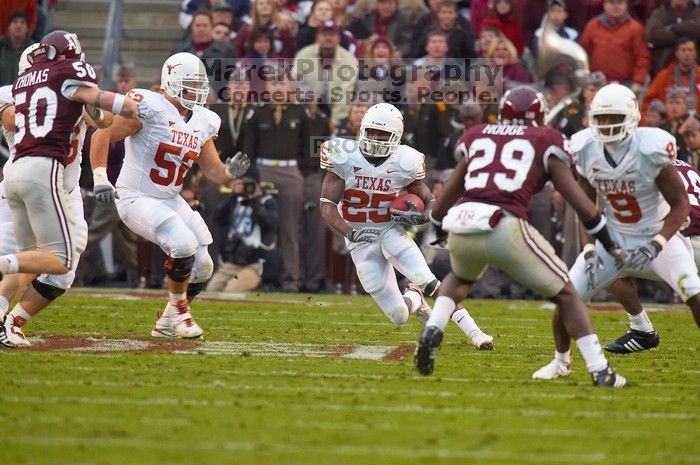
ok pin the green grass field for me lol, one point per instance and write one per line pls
(286, 380)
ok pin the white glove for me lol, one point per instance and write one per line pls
(103, 189)
(237, 165)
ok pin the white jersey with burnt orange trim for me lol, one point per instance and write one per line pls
(71, 173)
(370, 189)
(628, 192)
(161, 153)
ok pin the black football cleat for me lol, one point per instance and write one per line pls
(608, 378)
(5, 342)
(633, 341)
(430, 340)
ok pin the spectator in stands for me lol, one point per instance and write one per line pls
(203, 45)
(327, 81)
(9, 7)
(221, 32)
(503, 52)
(677, 113)
(276, 141)
(479, 10)
(320, 12)
(574, 116)
(615, 45)
(503, 16)
(126, 78)
(250, 217)
(340, 13)
(222, 13)
(426, 21)
(382, 66)
(656, 114)
(413, 9)
(239, 8)
(668, 23)
(486, 37)
(557, 14)
(460, 36)
(470, 114)
(12, 44)
(690, 130)
(266, 13)
(683, 72)
(350, 126)
(385, 20)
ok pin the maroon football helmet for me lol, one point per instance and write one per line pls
(60, 45)
(523, 105)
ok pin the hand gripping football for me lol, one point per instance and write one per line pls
(400, 203)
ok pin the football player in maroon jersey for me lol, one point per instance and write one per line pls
(49, 99)
(484, 209)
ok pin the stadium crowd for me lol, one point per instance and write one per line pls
(266, 227)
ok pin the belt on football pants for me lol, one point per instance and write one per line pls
(274, 162)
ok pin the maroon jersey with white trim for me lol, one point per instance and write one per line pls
(507, 164)
(44, 116)
(691, 180)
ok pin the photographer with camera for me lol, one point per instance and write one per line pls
(250, 217)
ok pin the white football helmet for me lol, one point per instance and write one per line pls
(184, 73)
(24, 63)
(614, 99)
(384, 117)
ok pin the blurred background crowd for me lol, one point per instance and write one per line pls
(266, 227)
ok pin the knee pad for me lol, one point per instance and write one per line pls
(47, 291)
(398, 314)
(193, 289)
(203, 267)
(431, 288)
(392, 304)
(179, 269)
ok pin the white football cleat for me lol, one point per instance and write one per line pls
(13, 331)
(481, 340)
(185, 326)
(553, 370)
(422, 312)
(163, 326)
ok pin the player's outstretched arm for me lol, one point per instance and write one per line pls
(97, 118)
(217, 171)
(8, 118)
(99, 150)
(109, 101)
(331, 194)
(673, 191)
(453, 190)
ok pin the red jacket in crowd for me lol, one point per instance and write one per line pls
(618, 50)
(665, 80)
(510, 27)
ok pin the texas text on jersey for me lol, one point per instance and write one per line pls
(507, 164)
(627, 190)
(45, 117)
(160, 154)
(370, 189)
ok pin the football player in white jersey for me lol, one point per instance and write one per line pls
(45, 288)
(173, 131)
(630, 171)
(362, 177)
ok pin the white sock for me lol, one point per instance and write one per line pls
(464, 320)
(175, 297)
(4, 305)
(9, 264)
(641, 322)
(442, 310)
(564, 358)
(414, 298)
(20, 315)
(592, 352)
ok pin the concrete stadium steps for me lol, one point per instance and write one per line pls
(151, 31)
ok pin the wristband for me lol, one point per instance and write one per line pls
(660, 240)
(588, 248)
(433, 220)
(595, 225)
(118, 103)
(100, 174)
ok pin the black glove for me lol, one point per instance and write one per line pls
(412, 217)
(363, 235)
(646, 253)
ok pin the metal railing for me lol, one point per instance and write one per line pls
(111, 49)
